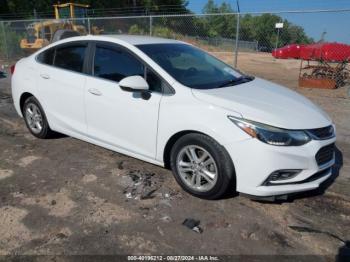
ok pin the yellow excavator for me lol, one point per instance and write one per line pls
(68, 22)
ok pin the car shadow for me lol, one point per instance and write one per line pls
(343, 252)
(317, 192)
(57, 135)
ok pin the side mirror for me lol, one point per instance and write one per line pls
(133, 84)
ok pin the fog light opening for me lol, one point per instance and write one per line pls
(281, 175)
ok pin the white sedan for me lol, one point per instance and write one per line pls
(171, 104)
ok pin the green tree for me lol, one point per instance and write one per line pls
(260, 28)
(219, 25)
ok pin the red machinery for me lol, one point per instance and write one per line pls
(323, 65)
(288, 51)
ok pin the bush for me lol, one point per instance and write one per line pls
(163, 32)
(136, 30)
(10, 42)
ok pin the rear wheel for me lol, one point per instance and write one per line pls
(35, 118)
(201, 166)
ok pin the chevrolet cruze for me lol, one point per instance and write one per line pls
(171, 104)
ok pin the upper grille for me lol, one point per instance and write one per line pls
(325, 154)
(322, 133)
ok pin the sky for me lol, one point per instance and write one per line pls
(336, 24)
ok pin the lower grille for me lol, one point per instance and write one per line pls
(325, 154)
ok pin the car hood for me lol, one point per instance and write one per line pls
(262, 101)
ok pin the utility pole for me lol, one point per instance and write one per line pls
(278, 26)
(237, 35)
(278, 34)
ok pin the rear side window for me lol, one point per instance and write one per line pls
(70, 57)
(47, 56)
(115, 64)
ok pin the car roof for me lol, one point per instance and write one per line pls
(141, 40)
(130, 39)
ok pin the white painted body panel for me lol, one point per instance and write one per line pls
(62, 96)
(122, 119)
(123, 122)
(268, 103)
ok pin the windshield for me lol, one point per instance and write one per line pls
(191, 66)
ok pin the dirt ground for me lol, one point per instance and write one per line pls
(67, 197)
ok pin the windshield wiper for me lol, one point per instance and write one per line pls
(236, 81)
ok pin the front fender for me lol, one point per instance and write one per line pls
(186, 113)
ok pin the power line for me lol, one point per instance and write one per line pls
(116, 10)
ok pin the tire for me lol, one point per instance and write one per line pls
(32, 105)
(221, 165)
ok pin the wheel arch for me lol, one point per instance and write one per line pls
(175, 137)
(23, 98)
(172, 140)
(170, 143)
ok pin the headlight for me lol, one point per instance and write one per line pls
(271, 135)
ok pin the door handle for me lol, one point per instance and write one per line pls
(95, 92)
(45, 76)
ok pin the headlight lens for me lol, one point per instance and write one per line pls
(271, 135)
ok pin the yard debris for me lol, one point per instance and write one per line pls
(143, 186)
(193, 225)
(166, 219)
(128, 195)
(120, 165)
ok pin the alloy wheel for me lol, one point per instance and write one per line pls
(197, 168)
(34, 118)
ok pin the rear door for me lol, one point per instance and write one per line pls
(116, 117)
(61, 83)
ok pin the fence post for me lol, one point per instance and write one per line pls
(42, 30)
(150, 25)
(88, 24)
(5, 42)
(237, 39)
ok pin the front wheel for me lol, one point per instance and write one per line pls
(201, 166)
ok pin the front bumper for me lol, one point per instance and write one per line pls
(254, 161)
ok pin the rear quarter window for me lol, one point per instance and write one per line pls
(46, 57)
(70, 57)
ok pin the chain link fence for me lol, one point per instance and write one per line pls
(245, 41)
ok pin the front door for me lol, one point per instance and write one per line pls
(116, 117)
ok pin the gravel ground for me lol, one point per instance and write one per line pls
(67, 197)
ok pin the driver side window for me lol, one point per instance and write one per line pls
(115, 64)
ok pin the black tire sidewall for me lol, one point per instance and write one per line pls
(226, 175)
